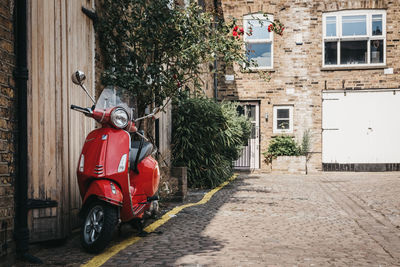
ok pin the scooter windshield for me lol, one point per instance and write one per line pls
(113, 96)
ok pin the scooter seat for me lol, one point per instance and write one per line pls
(146, 150)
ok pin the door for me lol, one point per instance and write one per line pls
(361, 127)
(250, 156)
(61, 40)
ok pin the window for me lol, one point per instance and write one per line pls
(173, 3)
(259, 47)
(283, 119)
(186, 3)
(354, 38)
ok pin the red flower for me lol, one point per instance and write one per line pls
(174, 77)
(236, 28)
(270, 27)
(241, 31)
(234, 33)
(179, 84)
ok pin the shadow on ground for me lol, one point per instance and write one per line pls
(181, 236)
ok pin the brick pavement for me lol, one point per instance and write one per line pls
(330, 219)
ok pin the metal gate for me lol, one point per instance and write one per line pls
(250, 156)
(245, 158)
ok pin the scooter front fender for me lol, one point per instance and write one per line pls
(105, 190)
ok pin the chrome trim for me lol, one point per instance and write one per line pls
(129, 184)
(102, 118)
(140, 208)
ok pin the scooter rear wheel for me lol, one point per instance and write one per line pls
(98, 226)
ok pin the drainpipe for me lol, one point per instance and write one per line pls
(215, 61)
(21, 75)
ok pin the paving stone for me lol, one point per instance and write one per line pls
(330, 219)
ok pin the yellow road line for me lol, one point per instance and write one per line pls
(106, 255)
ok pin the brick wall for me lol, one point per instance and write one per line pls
(297, 77)
(7, 126)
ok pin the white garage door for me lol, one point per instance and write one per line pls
(361, 127)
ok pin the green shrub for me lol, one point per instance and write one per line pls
(282, 146)
(286, 146)
(306, 143)
(207, 137)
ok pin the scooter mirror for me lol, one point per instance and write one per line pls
(78, 77)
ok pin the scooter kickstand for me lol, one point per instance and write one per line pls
(143, 233)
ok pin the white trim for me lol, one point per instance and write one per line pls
(275, 119)
(255, 157)
(268, 20)
(254, 161)
(368, 37)
(362, 91)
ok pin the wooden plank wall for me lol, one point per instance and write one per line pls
(61, 40)
(165, 134)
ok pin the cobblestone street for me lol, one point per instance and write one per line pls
(330, 219)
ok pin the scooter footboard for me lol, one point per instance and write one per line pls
(105, 190)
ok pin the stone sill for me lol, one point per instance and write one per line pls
(354, 68)
(256, 70)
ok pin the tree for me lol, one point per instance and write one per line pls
(153, 49)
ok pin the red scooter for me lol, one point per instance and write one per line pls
(118, 178)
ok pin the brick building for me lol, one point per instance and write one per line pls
(7, 127)
(335, 72)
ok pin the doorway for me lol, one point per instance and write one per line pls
(250, 155)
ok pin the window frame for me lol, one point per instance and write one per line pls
(339, 38)
(275, 128)
(270, 40)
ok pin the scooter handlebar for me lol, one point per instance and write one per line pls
(86, 111)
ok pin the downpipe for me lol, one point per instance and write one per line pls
(215, 75)
(21, 75)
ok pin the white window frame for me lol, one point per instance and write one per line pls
(171, 4)
(186, 3)
(270, 40)
(368, 37)
(275, 120)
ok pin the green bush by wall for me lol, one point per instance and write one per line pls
(207, 137)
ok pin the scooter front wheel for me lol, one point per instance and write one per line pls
(98, 226)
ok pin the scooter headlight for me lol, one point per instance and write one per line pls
(119, 118)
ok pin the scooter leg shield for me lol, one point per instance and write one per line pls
(105, 190)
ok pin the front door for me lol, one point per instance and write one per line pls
(250, 157)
